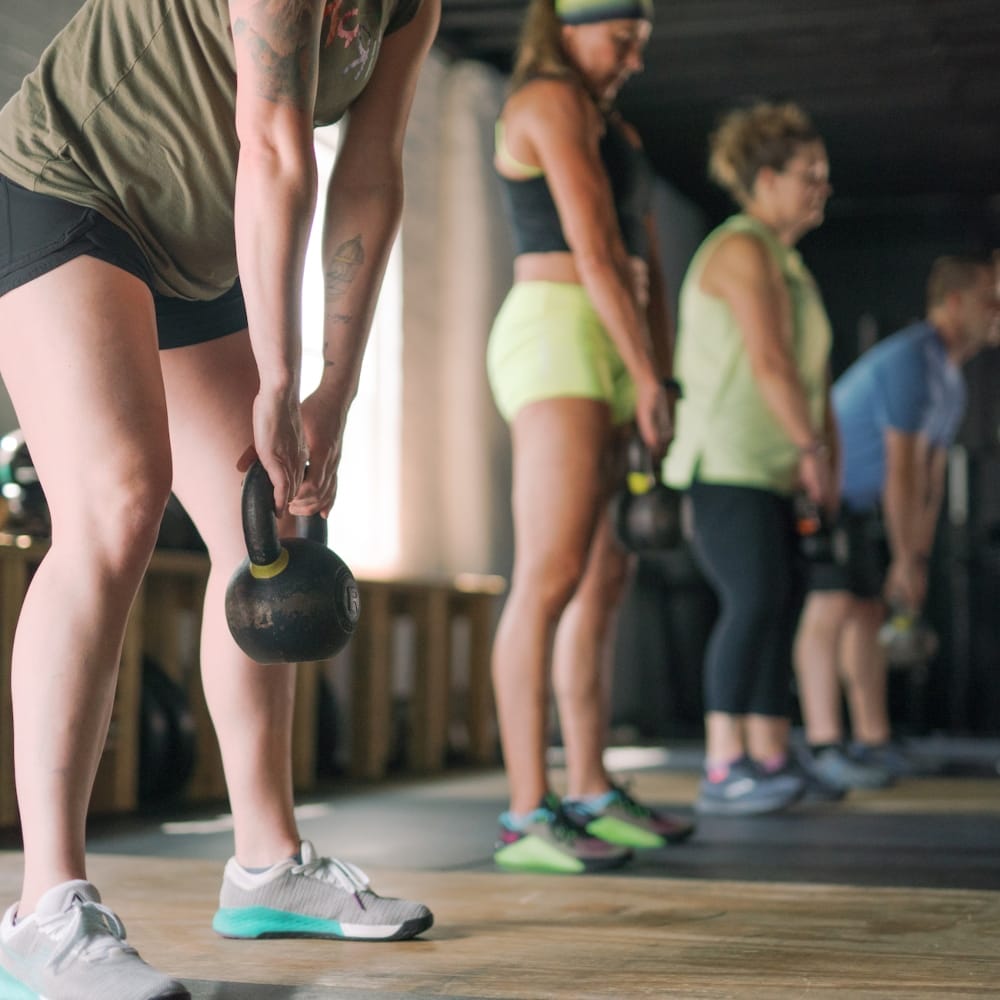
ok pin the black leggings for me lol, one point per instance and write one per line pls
(745, 543)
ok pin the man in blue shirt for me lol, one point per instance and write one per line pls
(898, 407)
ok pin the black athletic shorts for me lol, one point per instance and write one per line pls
(39, 232)
(863, 556)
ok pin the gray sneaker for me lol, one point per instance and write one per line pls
(890, 756)
(748, 790)
(837, 767)
(73, 948)
(319, 897)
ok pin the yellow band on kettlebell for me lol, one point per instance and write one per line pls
(271, 570)
(639, 483)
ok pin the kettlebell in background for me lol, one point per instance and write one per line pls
(813, 528)
(28, 511)
(907, 641)
(645, 514)
(291, 599)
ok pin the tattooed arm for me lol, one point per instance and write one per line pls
(276, 44)
(364, 205)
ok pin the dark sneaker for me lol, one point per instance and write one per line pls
(619, 818)
(748, 790)
(817, 788)
(317, 897)
(890, 757)
(551, 841)
(837, 767)
(72, 947)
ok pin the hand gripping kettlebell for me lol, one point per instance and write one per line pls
(291, 599)
(813, 530)
(645, 514)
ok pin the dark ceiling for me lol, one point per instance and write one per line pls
(906, 92)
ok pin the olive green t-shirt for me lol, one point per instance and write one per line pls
(131, 111)
(726, 433)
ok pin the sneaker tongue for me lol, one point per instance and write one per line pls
(307, 852)
(61, 897)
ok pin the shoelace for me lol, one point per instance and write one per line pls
(88, 930)
(629, 804)
(564, 827)
(348, 877)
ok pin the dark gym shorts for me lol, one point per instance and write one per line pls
(39, 232)
(862, 556)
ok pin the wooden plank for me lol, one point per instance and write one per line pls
(480, 714)
(13, 583)
(531, 937)
(371, 689)
(427, 726)
(304, 736)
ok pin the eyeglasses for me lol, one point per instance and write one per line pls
(809, 178)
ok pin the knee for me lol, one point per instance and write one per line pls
(612, 579)
(550, 584)
(124, 519)
(824, 615)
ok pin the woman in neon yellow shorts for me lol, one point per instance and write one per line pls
(579, 348)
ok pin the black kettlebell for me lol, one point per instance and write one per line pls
(813, 529)
(646, 513)
(907, 640)
(291, 599)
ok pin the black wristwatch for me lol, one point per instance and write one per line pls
(672, 385)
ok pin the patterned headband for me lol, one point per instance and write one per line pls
(592, 11)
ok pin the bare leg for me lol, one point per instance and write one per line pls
(582, 656)
(558, 449)
(80, 363)
(725, 737)
(817, 668)
(767, 737)
(210, 391)
(865, 673)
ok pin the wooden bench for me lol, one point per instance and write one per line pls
(165, 625)
(434, 606)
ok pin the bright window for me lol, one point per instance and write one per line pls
(364, 524)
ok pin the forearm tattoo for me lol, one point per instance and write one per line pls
(338, 276)
(281, 39)
(343, 267)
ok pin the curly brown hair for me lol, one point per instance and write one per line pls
(749, 139)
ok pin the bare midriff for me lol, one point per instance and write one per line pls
(561, 267)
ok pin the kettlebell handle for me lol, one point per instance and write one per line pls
(311, 528)
(641, 477)
(260, 525)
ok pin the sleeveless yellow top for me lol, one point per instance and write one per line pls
(726, 433)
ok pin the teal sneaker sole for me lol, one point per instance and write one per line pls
(262, 922)
(12, 989)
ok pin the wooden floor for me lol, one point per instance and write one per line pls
(513, 936)
(892, 894)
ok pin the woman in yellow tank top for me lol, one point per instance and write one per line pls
(754, 426)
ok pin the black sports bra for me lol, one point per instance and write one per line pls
(532, 211)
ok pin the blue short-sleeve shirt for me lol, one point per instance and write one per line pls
(905, 383)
